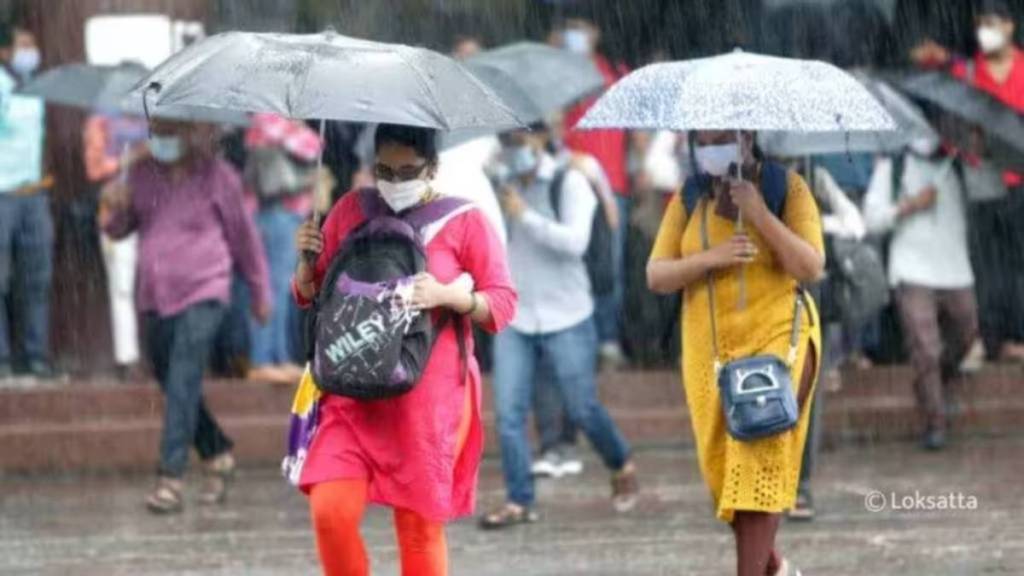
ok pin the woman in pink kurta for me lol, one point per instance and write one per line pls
(418, 453)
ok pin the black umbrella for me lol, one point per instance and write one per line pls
(967, 109)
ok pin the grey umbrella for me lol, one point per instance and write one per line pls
(328, 76)
(965, 108)
(552, 77)
(910, 121)
(105, 89)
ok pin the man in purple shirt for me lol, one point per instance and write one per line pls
(186, 205)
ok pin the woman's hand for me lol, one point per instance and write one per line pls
(749, 200)
(512, 202)
(308, 240)
(739, 250)
(428, 293)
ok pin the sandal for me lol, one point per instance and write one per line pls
(166, 497)
(218, 473)
(625, 489)
(507, 516)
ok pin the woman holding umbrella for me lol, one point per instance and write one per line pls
(419, 452)
(698, 251)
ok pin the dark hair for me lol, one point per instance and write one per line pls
(998, 8)
(6, 34)
(422, 140)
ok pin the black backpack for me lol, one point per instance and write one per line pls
(364, 341)
(599, 257)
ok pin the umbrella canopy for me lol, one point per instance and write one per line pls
(552, 77)
(511, 92)
(969, 108)
(105, 89)
(739, 91)
(327, 76)
(909, 119)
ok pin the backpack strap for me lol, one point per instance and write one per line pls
(555, 191)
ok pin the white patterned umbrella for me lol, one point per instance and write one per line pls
(739, 91)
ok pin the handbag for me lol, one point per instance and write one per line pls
(756, 392)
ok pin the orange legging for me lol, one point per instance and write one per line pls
(337, 509)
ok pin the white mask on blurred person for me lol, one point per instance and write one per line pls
(521, 160)
(577, 41)
(25, 61)
(716, 160)
(400, 196)
(924, 147)
(165, 149)
(991, 39)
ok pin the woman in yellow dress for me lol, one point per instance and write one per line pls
(757, 273)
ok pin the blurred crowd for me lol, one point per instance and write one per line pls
(942, 221)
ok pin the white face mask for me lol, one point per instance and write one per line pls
(577, 41)
(25, 61)
(401, 196)
(165, 149)
(716, 160)
(991, 39)
(521, 161)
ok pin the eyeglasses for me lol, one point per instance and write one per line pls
(403, 174)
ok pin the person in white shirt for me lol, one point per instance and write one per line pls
(930, 269)
(554, 324)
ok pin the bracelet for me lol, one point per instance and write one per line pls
(476, 304)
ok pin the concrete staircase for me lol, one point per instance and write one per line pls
(102, 426)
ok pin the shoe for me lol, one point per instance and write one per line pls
(934, 440)
(41, 369)
(625, 489)
(611, 356)
(804, 509)
(549, 465)
(787, 569)
(572, 464)
(217, 475)
(6, 372)
(974, 361)
(166, 497)
(507, 516)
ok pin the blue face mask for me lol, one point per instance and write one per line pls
(521, 160)
(165, 149)
(25, 61)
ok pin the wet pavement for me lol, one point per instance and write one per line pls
(956, 513)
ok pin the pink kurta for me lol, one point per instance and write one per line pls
(406, 447)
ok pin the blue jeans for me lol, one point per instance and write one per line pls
(179, 347)
(608, 309)
(572, 355)
(554, 427)
(26, 273)
(272, 343)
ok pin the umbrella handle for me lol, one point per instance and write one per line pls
(309, 256)
(742, 287)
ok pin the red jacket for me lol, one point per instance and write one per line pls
(608, 146)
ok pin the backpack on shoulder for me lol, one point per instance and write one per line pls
(365, 341)
(599, 257)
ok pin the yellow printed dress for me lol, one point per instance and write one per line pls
(760, 475)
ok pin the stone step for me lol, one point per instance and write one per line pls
(129, 444)
(103, 400)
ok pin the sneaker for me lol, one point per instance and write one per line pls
(787, 569)
(625, 488)
(804, 508)
(549, 465)
(571, 463)
(41, 369)
(611, 356)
